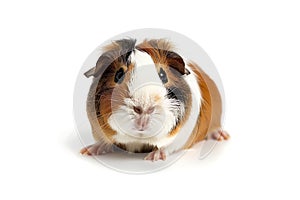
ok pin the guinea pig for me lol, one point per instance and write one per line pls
(146, 98)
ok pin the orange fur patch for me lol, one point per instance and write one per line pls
(211, 107)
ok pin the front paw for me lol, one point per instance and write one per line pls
(155, 155)
(98, 148)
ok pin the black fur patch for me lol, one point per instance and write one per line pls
(127, 46)
(146, 148)
(176, 93)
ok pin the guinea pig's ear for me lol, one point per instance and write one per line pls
(175, 61)
(90, 72)
(117, 53)
(103, 62)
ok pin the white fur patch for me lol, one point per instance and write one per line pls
(141, 58)
(146, 90)
(144, 74)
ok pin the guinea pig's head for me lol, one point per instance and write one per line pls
(141, 91)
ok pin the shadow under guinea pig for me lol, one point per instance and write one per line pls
(133, 163)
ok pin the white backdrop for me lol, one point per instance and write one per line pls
(255, 46)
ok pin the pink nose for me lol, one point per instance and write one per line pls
(142, 123)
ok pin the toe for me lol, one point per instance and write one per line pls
(163, 155)
(156, 155)
(149, 157)
(224, 135)
(85, 151)
(220, 135)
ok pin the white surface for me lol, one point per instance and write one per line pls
(255, 47)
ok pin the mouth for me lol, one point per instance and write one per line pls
(139, 131)
(143, 133)
(140, 134)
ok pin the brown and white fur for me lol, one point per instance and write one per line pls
(146, 98)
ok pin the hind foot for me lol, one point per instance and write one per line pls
(220, 135)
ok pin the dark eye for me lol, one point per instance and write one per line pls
(163, 76)
(119, 77)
